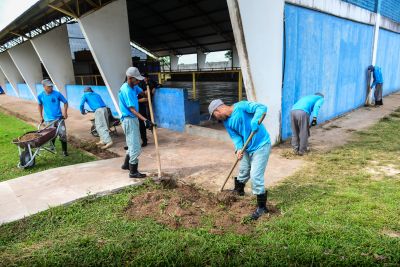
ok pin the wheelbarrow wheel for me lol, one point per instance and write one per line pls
(25, 158)
(93, 131)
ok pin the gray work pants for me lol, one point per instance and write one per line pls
(378, 94)
(101, 123)
(300, 121)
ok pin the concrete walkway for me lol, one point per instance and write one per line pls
(198, 159)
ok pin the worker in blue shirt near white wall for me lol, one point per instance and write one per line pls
(377, 83)
(302, 110)
(50, 111)
(240, 120)
(96, 104)
(129, 106)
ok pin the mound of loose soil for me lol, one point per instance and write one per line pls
(29, 137)
(190, 207)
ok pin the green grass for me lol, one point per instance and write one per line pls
(333, 213)
(10, 128)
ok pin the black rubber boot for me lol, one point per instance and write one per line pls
(125, 166)
(239, 187)
(261, 206)
(134, 173)
(64, 148)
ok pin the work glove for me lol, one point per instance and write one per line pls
(314, 122)
(149, 125)
(254, 126)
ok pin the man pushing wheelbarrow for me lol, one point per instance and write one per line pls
(50, 112)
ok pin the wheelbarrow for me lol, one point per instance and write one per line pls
(112, 124)
(31, 143)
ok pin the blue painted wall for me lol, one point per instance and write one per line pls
(75, 93)
(9, 90)
(324, 54)
(173, 109)
(25, 92)
(39, 89)
(388, 58)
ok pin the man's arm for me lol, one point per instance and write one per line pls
(82, 105)
(65, 111)
(137, 114)
(258, 110)
(40, 108)
(236, 138)
(316, 107)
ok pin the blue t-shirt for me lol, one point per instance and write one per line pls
(310, 104)
(128, 97)
(51, 105)
(93, 100)
(378, 79)
(238, 125)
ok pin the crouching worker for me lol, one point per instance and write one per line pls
(302, 110)
(129, 105)
(96, 103)
(50, 111)
(240, 120)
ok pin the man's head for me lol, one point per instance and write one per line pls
(371, 68)
(133, 76)
(320, 94)
(88, 89)
(218, 110)
(48, 85)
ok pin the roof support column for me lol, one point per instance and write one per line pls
(54, 52)
(201, 60)
(28, 64)
(235, 58)
(10, 71)
(107, 33)
(174, 59)
(258, 30)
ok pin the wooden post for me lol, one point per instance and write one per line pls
(194, 84)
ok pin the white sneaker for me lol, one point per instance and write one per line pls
(108, 145)
(100, 143)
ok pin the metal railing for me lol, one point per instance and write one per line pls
(162, 76)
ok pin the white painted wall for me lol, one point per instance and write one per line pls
(10, 71)
(2, 80)
(201, 59)
(258, 31)
(107, 33)
(235, 58)
(55, 54)
(174, 60)
(28, 64)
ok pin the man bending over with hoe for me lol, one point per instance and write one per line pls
(240, 120)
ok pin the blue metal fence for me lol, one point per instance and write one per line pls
(324, 54)
(388, 58)
(389, 8)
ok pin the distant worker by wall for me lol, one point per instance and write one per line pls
(377, 83)
(300, 120)
(144, 104)
(101, 115)
(2, 91)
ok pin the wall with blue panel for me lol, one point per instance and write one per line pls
(9, 90)
(388, 58)
(324, 54)
(173, 110)
(75, 93)
(25, 92)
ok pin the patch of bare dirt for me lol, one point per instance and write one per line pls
(186, 206)
(92, 148)
(391, 233)
(379, 171)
